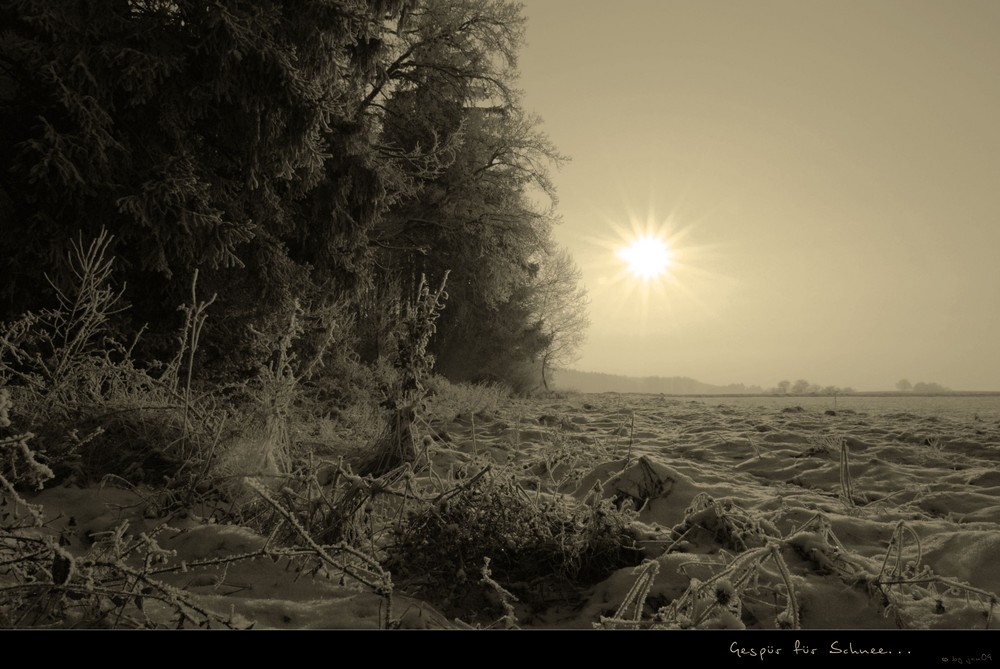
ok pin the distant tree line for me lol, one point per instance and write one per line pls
(595, 382)
(921, 388)
(293, 156)
(803, 387)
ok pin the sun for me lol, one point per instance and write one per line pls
(646, 256)
(649, 268)
(651, 273)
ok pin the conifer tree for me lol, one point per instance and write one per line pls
(222, 137)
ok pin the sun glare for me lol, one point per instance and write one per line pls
(646, 257)
(648, 272)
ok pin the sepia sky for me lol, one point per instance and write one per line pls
(827, 173)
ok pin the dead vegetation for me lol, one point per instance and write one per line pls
(376, 517)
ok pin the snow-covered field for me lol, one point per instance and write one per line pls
(749, 514)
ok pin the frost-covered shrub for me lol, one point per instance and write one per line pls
(443, 548)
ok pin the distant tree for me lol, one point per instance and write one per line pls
(800, 387)
(929, 388)
(904, 386)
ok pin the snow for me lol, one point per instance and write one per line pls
(708, 484)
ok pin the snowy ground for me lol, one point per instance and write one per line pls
(735, 505)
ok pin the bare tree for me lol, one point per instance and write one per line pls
(561, 306)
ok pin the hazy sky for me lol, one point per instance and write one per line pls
(829, 173)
